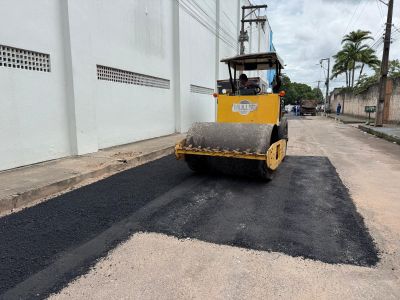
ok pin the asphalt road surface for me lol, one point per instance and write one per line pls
(306, 214)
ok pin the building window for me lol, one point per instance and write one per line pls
(127, 77)
(17, 58)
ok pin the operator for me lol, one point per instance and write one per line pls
(246, 87)
(276, 84)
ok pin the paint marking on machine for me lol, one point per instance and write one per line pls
(244, 107)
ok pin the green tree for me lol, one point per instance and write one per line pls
(357, 37)
(295, 92)
(394, 68)
(355, 54)
(341, 66)
(317, 94)
(366, 81)
(369, 58)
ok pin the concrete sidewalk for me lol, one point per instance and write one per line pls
(390, 133)
(24, 186)
(347, 119)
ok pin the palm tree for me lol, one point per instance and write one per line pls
(357, 37)
(341, 66)
(345, 62)
(368, 57)
(355, 40)
(354, 51)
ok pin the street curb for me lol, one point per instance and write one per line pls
(379, 134)
(23, 199)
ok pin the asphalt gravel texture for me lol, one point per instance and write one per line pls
(304, 211)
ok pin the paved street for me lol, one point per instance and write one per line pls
(327, 226)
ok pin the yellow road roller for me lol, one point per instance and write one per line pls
(250, 134)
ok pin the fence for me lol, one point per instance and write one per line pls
(354, 105)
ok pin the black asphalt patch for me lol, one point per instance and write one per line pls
(305, 211)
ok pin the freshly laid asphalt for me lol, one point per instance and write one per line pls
(304, 211)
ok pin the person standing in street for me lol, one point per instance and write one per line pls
(338, 109)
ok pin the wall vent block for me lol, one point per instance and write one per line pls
(128, 77)
(201, 89)
(11, 57)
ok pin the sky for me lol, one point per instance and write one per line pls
(307, 30)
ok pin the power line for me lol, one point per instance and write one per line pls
(207, 3)
(377, 44)
(396, 35)
(229, 19)
(212, 19)
(197, 10)
(361, 12)
(356, 13)
(380, 10)
(193, 14)
(352, 17)
(396, 29)
(357, 16)
(380, 32)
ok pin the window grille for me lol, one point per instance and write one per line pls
(122, 76)
(201, 89)
(17, 58)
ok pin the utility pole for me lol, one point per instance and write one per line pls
(244, 37)
(327, 84)
(319, 81)
(384, 67)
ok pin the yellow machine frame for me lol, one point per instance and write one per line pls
(259, 109)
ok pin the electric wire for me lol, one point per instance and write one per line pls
(205, 25)
(222, 24)
(198, 14)
(361, 12)
(351, 18)
(198, 11)
(380, 10)
(377, 44)
(214, 21)
(228, 18)
(204, 18)
(207, 3)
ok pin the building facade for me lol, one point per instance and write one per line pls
(79, 76)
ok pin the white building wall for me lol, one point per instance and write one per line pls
(70, 111)
(229, 21)
(197, 60)
(141, 42)
(34, 124)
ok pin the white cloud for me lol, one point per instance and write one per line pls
(307, 30)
